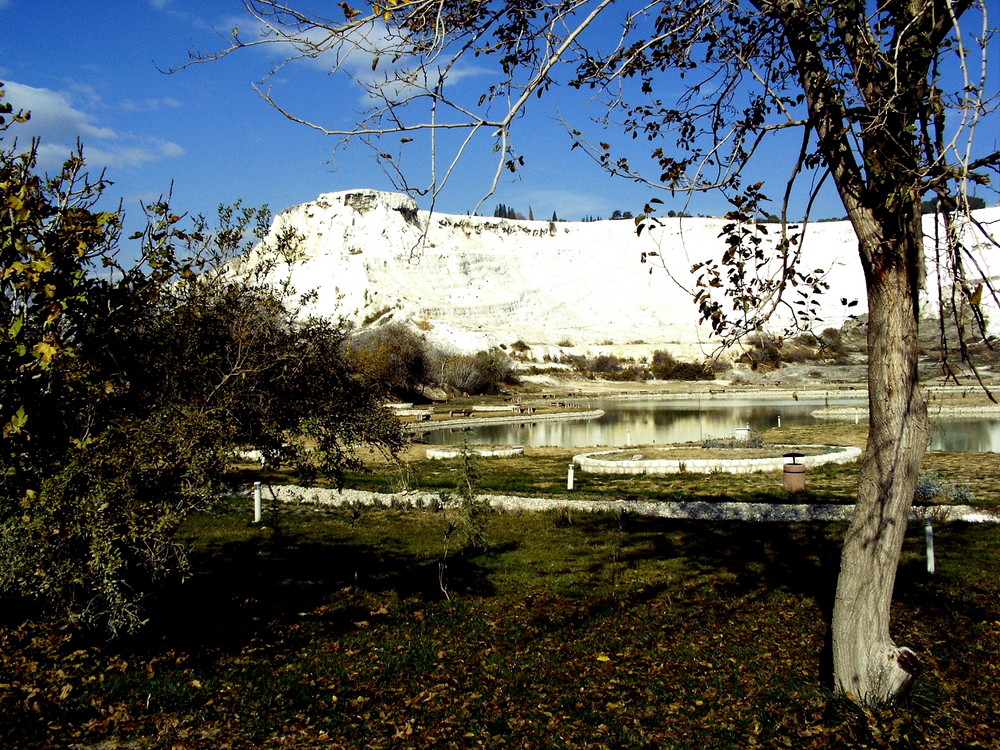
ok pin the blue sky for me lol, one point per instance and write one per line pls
(92, 70)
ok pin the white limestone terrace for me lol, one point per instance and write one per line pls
(468, 283)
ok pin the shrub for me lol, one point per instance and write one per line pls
(393, 357)
(763, 352)
(754, 441)
(605, 363)
(520, 347)
(630, 373)
(665, 367)
(479, 373)
(576, 361)
(930, 486)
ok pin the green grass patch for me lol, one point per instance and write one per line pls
(329, 629)
(541, 472)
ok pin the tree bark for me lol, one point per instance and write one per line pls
(868, 666)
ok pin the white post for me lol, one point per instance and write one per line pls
(569, 478)
(779, 420)
(628, 438)
(929, 534)
(256, 502)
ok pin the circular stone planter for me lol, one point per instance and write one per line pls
(592, 462)
(483, 451)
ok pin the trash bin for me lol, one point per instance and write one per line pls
(794, 473)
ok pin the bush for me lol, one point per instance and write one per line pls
(577, 361)
(665, 367)
(605, 363)
(627, 373)
(764, 353)
(393, 357)
(930, 486)
(754, 441)
(481, 373)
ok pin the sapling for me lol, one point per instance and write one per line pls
(471, 516)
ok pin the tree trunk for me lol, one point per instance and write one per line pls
(868, 666)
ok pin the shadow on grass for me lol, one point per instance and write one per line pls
(744, 561)
(240, 589)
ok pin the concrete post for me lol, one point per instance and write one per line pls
(256, 502)
(929, 535)
(569, 478)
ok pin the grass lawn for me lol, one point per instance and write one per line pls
(330, 629)
(541, 472)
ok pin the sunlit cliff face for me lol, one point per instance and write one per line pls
(469, 282)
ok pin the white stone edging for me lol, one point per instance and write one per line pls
(506, 452)
(318, 497)
(588, 462)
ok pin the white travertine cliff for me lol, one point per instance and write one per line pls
(473, 282)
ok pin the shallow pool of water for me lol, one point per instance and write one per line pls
(650, 421)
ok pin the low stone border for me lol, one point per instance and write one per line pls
(418, 412)
(860, 413)
(507, 452)
(590, 463)
(444, 424)
(314, 497)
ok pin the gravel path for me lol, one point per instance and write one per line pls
(320, 498)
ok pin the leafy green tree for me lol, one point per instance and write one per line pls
(126, 389)
(882, 99)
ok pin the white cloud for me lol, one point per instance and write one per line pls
(149, 105)
(53, 117)
(59, 123)
(374, 56)
(134, 155)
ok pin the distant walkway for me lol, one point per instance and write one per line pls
(490, 418)
(699, 511)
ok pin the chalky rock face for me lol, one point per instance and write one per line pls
(470, 282)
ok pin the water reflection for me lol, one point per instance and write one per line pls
(645, 421)
(971, 435)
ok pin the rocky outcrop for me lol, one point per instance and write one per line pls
(472, 282)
